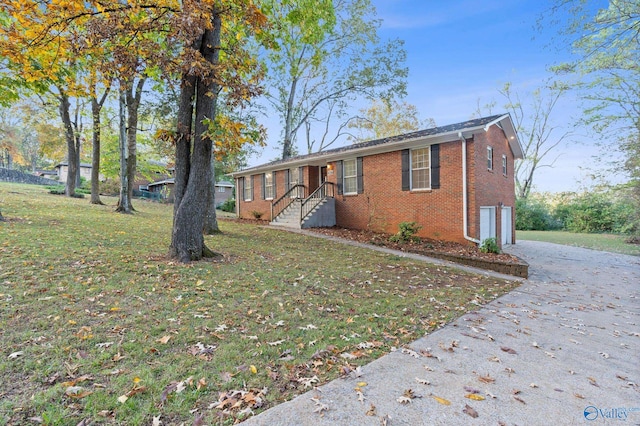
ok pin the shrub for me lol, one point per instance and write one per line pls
(256, 214)
(534, 215)
(228, 206)
(490, 245)
(407, 232)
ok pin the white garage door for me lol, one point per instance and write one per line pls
(506, 227)
(487, 223)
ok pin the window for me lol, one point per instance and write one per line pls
(268, 186)
(504, 165)
(420, 176)
(350, 177)
(489, 158)
(248, 189)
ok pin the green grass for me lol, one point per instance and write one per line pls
(605, 242)
(97, 324)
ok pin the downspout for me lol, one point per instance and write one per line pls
(465, 207)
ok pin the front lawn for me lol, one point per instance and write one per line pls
(605, 242)
(96, 323)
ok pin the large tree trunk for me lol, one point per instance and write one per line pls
(96, 106)
(72, 157)
(187, 239)
(211, 220)
(124, 203)
(133, 105)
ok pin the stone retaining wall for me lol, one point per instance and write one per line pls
(520, 269)
(15, 176)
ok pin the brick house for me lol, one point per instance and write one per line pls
(456, 181)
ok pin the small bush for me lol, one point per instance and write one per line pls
(490, 245)
(534, 215)
(407, 232)
(256, 214)
(228, 206)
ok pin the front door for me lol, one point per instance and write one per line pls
(323, 174)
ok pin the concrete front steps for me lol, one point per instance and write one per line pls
(322, 215)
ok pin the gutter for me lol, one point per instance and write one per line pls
(465, 207)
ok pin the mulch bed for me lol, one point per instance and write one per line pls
(467, 254)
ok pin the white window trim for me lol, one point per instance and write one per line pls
(266, 195)
(355, 176)
(411, 169)
(247, 188)
(504, 164)
(490, 158)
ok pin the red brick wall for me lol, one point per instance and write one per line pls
(493, 188)
(383, 204)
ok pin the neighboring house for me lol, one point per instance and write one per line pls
(62, 169)
(457, 182)
(224, 190)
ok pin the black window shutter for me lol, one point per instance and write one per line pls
(435, 166)
(339, 176)
(253, 187)
(273, 180)
(406, 170)
(242, 187)
(263, 188)
(360, 180)
(301, 175)
(286, 180)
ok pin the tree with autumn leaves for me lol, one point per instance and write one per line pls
(202, 43)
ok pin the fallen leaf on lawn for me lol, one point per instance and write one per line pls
(122, 399)
(384, 421)
(494, 359)
(474, 396)
(361, 396)
(422, 381)
(156, 421)
(308, 382)
(471, 390)
(470, 411)
(164, 340)
(276, 343)
(347, 355)
(371, 411)
(593, 382)
(77, 392)
(15, 355)
(549, 354)
(441, 400)
(117, 357)
(604, 355)
(577, 395)
(253, 369)
(533, 385)
(508, 350)
(201, 383)
(535, 345)
(85, 422)
(361, 384)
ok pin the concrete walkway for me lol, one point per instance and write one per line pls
(563, 348)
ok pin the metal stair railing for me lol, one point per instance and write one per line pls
(308, 204)
(294, 193)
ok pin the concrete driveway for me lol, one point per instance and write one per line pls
(563, 348)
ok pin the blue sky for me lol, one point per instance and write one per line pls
(459, 52)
